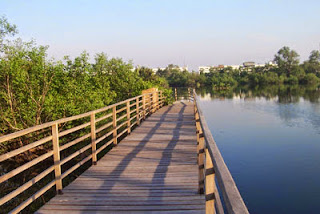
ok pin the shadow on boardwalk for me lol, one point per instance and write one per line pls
(153, 169)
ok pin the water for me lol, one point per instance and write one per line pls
(270, 141)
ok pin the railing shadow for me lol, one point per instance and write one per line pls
(165, 161)
(122, 183)
(122, 166)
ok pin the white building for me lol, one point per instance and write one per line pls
(259, 65)
(185, 68)
(204, 69)
(156, 69)
(272, 64)
(246, 66)
(178, 67)
(234, 67)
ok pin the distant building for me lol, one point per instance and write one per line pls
(249, 64)
(246, 66)
(204, 69)
(271, 63)
(259, 65)
(207, 69)
(156, 69)
(185, 68)
(234, 67)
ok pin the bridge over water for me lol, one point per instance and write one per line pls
(146, 158)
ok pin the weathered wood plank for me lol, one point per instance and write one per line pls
(154, 169)
(121, 212)
(66, 208)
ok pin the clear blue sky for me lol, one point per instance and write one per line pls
(156, 33)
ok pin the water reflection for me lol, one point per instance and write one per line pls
(269, 138)
(292, 104)
(282, 93)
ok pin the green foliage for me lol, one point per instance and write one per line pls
(177, 78)
(292, 80)
(313, 64)
(311, 79)
(286, 59)
(314, 57)
(25, 80)
(6, 29)
(222, 80)
(35, 90)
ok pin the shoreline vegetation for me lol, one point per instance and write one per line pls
(35, 90)
(287, 71)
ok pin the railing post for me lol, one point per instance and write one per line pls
(209, 184)
(56, 157)
(114, 123)
(160, 99)
(137, 110)
(189, 97)
(144, 106)
(150, 104)
(175, 94)
(93, 138)
(154, 101)
(200, 148)
(128, 117)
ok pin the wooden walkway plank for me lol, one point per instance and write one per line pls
(152, 170)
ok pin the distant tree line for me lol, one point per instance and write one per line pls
(289, 71)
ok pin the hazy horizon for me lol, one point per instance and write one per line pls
(158, 33)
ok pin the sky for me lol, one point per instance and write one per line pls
(157, 33)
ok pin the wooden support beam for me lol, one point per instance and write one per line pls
(150, 104)
(56, 157)
(201, 155)
(93, 138)
(161, 99)
(114, 121)
(144, 106)
(128, 117)
(209, 184)
(137, 111)
(154, 102)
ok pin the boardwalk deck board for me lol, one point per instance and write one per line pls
(152, 170)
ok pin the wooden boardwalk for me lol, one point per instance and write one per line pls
(152, 170)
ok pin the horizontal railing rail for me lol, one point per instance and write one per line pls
(116, 120)
(212, 168)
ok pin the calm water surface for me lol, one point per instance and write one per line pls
(270, 140)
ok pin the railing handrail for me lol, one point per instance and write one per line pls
(231, 195)
(142, 105)
(63, 120)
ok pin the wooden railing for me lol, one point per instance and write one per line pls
(212, 168)
(114, 121)
(182, 94)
